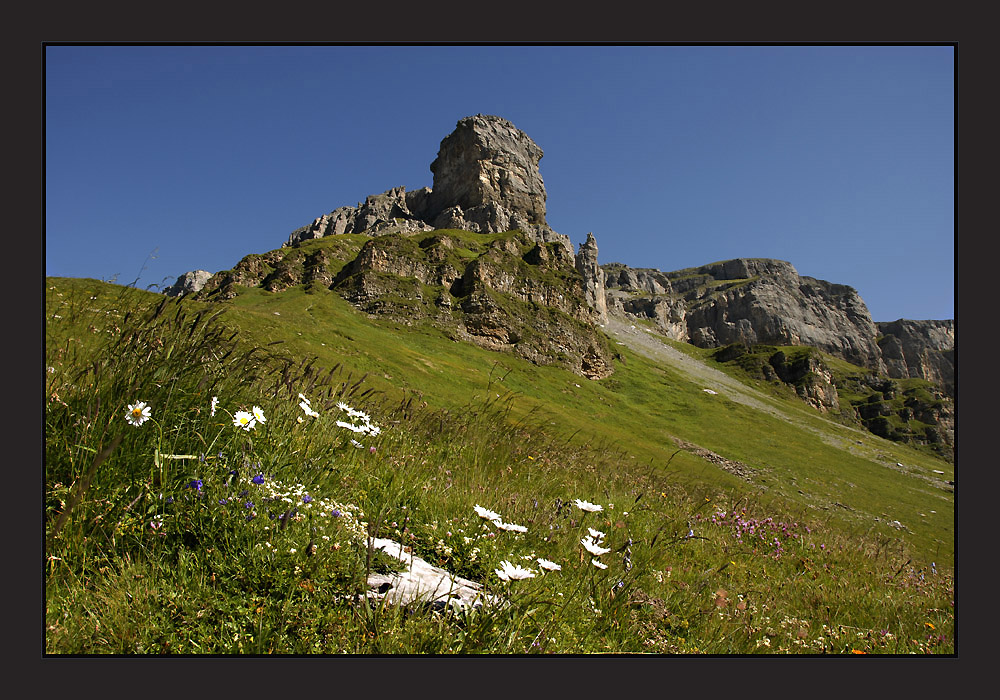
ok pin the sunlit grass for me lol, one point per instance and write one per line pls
(190, 534)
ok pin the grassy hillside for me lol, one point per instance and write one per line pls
(827, 546)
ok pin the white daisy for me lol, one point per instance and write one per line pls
(487, 514)
(138, 413)
(548, 565)
(258, 415)
(513, 572)
(598, 564)
(589, 507)
(243, 419)
(215, 404)
(511, 527)
(593, 547)
(597, 535)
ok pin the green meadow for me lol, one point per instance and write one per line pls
(180, 531)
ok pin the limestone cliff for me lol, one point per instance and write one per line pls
(924, 349)
(486, 180)
(749, 301)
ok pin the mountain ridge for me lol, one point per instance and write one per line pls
(475, 253)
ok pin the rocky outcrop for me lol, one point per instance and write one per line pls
(749, 301)
(380, 214)
(506, 293)
(922, 349)
(188, 283)
(593, 278)
(486, 180)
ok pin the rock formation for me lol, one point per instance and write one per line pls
(923, 349)
(749, 301)
(188, 283)
(593, 278)
(486, 179)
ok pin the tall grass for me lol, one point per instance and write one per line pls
(190, 534)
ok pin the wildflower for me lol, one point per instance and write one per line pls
(596, 535)
(350, 426)
(589, 507)
(511, 527)
(307, 407)
(307, 498)
(195, 484)
(215, 404)
(487, 514)
(138, 413)
(335, 513)
(548, 565)
(243, 419)
(593, 547)
(598, 564)
(259, 415)
(513, 572)
(357, 444)
(259, 479)
(248, 505)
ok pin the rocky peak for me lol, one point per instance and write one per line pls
(486, 161)
(486, 179)
(593, 278)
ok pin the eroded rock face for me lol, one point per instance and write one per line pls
(593, 278)
(188, 283)
(750, 301)
(485, 162)
(922, 349)
(486, 179)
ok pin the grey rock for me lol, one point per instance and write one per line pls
(593, 278)
(486, 179)
(421, 582)
(188, 283)
(379, 214)
(750, 301)
(486, 160)
(920, 349)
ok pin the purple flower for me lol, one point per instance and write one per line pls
(335, 513)
(222, 501)
(248, 505)
(307, 498)
(259, 479)
(195, 484)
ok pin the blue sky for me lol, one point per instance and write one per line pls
(838, 159)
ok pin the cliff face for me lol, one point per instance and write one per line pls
(486, 179)
(922, 349)
(749, 301)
